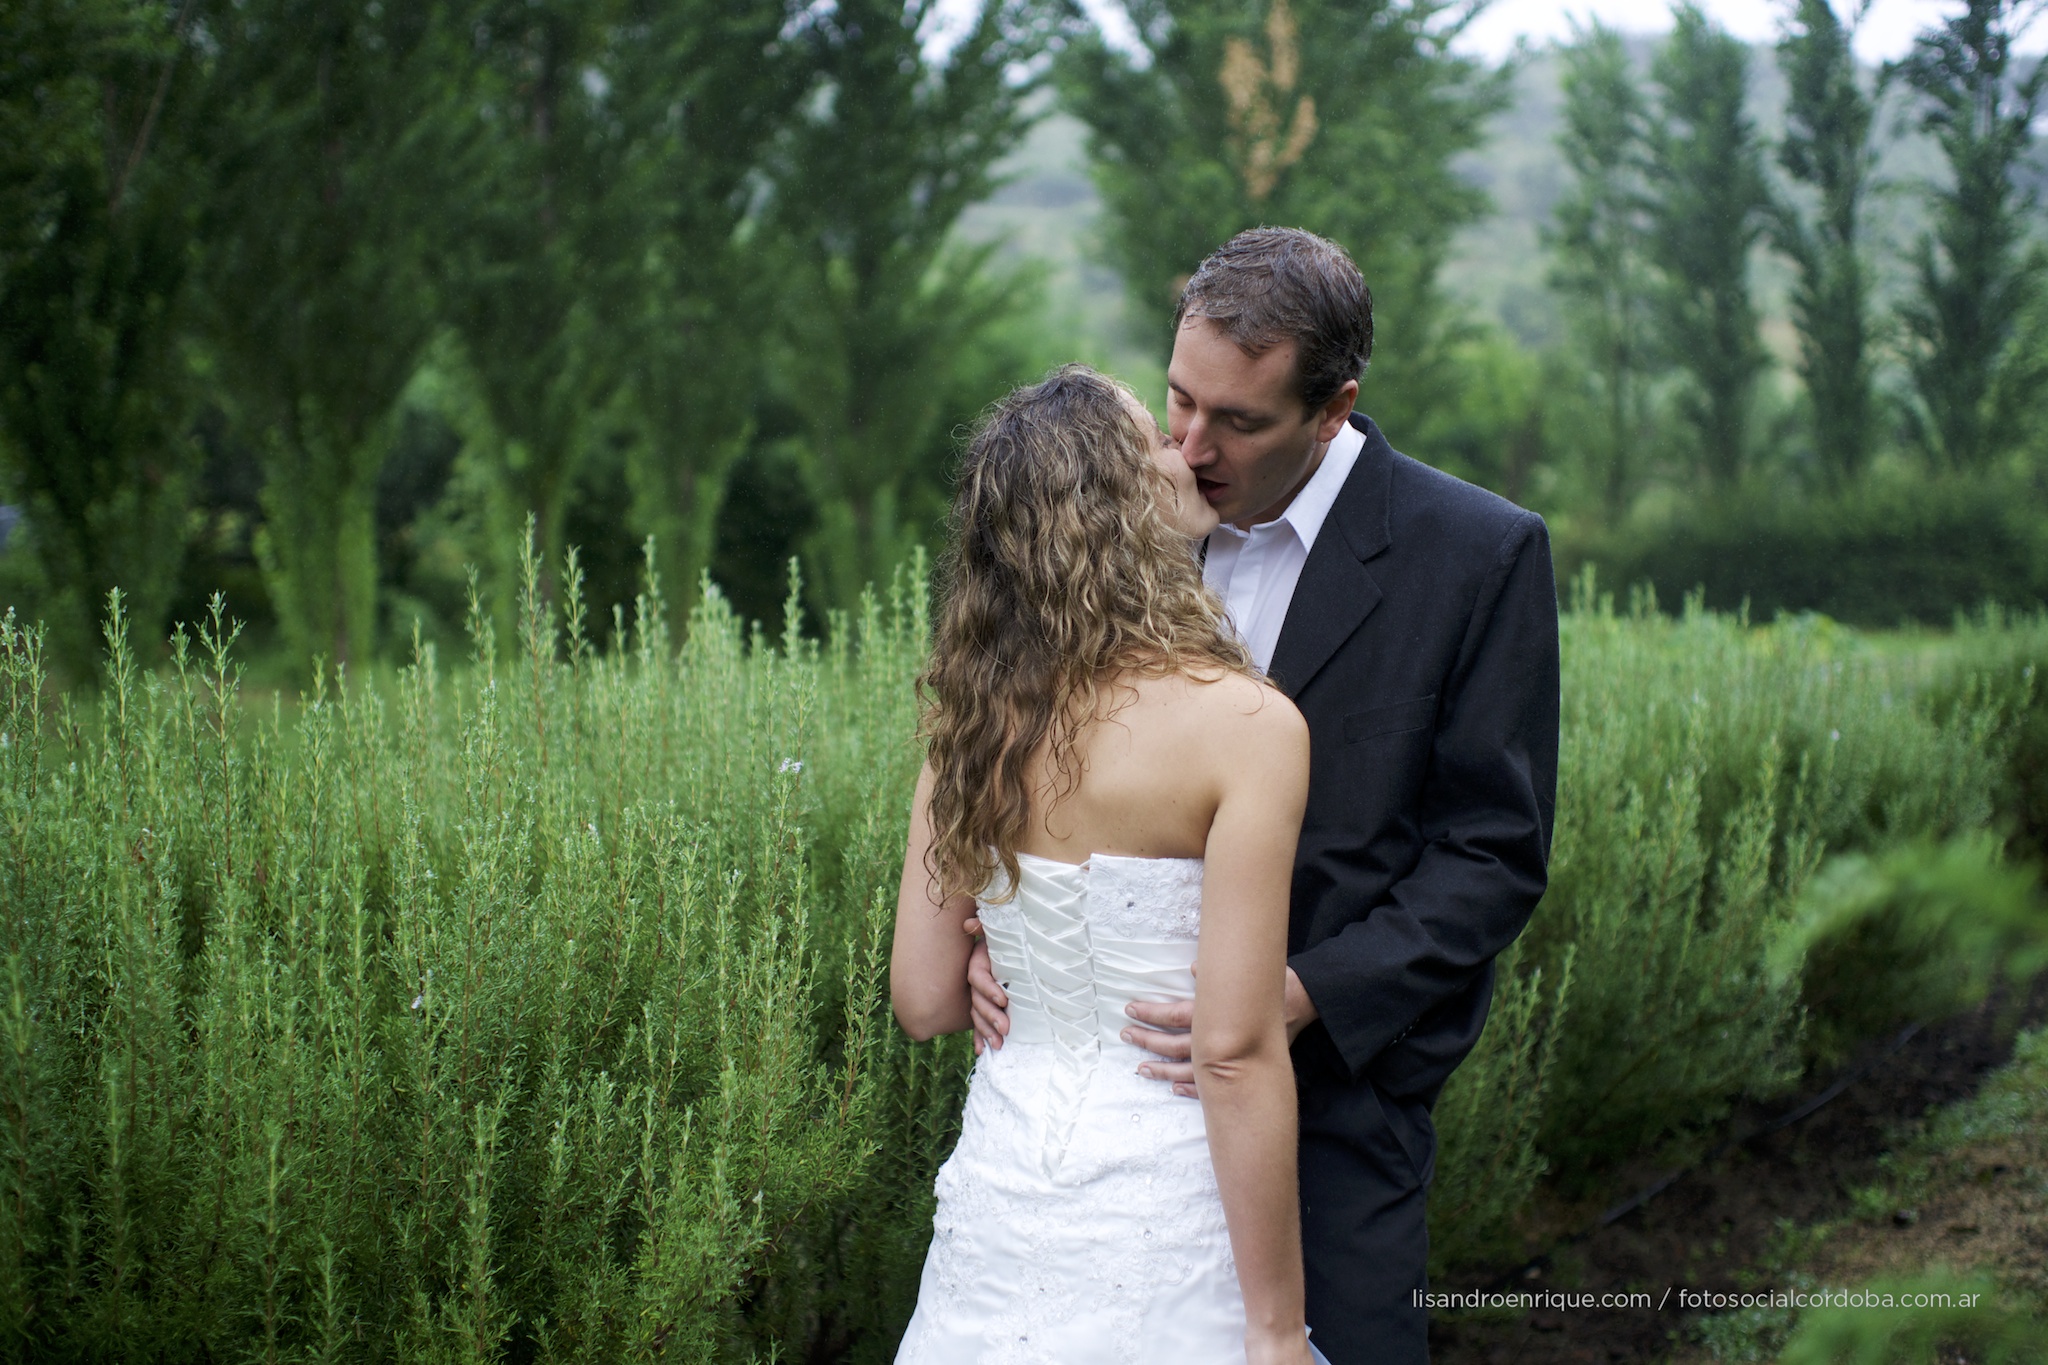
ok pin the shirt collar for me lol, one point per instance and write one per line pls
(1311, 506)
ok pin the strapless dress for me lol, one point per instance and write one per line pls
(1078, 1219)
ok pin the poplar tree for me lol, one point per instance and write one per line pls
(97, 184)
(1340, 116)
(328, 121)
(589, 268)
(1707, 207)
(702, 91)
(884, 309)
(530, 264)
(1599, 241)
(1978, 271)
(1827, 150)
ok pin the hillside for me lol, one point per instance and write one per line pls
(1048, 210)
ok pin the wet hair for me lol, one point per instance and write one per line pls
(1266, 286)
(1061, 578)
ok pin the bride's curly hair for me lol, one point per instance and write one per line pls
(1061, 577)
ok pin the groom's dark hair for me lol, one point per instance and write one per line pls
(1269, 285)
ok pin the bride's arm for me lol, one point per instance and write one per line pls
(1246, 1080)
(928, 961)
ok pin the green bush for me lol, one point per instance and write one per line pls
(1890, 550)
(1707, 769)
(496, 1015)
(1938, 924)
(536, 1009)
(1937, 1316)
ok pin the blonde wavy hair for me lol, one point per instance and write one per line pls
(1062, 577)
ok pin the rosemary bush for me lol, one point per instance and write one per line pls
(503, 1012)
(1709, 767)
(535, 1008)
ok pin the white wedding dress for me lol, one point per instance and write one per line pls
(1078, 1220)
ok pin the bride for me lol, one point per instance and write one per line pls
(1114, 794)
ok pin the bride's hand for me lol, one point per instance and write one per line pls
(1276, 1348)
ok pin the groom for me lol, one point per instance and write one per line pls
(1413, 619)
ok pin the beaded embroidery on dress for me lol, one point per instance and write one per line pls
(1078, 1219)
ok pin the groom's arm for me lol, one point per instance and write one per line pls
(1485, 813)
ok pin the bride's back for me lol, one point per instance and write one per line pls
(1153, 766)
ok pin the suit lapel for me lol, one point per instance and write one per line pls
(1337, 591)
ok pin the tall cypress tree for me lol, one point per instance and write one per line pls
(701, 90)
(97, 186)
(1707, 206)
(1976, 272)
(588, 263)
(521, 286)
(883, 308)
(1827, 149)
(1599, 240)
(329, 122)
(1340, 116)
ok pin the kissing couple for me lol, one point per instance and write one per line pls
(1257, 703)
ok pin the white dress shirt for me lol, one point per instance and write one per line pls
(1255, 571)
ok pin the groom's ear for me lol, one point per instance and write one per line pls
(1330, 418)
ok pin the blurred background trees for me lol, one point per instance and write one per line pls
(1343, 117)
(314, 302)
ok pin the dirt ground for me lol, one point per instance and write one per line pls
(1751, 1215)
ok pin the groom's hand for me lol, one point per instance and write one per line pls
(1175, 1048)
(987, 1001)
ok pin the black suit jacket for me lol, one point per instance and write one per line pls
(1421, 647)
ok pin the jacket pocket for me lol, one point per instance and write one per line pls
(1398, 718)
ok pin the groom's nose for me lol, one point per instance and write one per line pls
(1195, 446)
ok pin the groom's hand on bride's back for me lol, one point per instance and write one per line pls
(987, 1001)
(1163, 1029)
(1160, 1029)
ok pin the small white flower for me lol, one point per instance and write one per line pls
(592, 828)
(1834, 734)
(417, 1000)
(791, 765)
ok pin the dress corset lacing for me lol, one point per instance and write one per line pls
(1076, 944)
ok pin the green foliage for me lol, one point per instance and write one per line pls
(1489, 1118)
(1707, 206)
(525, 272)
(887, 310)
(1940, 924)
(620, 248)
(502, 1013)
(1707, 769)
(1894, 547)
(1995, 644)
(95, 234)
(1977, 274)
(323, 131)
(1827, 149)
(1340, 116)
(699, 92)
(1600, 242)
(537, 1009)
(1934, 1316)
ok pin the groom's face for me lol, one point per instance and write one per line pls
(1241, 423)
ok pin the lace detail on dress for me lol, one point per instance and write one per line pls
(1078, 1220)
(1124, 1258)
(1146, 898)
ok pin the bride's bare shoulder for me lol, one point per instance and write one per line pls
(1225, 710)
